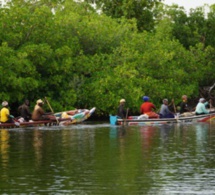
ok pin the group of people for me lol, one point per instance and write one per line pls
(25, 113)
(148, 109)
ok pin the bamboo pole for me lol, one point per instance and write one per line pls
(51, 109)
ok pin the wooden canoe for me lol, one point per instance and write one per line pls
(114, 120)
(79, 117)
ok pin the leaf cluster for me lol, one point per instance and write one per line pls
(78, 57)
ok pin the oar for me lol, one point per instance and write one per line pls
(51, 109)
(173, 103)
(16, 123)
(175, 111)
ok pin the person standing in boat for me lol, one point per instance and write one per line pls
(39, 114)
(164, 111)
(184, 105)
(121, 112)
(5, 113)
(25, 111)
(147, 108)
(201, 107)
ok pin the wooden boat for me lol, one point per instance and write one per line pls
(78, 117)
(192, 118)
(74, 117)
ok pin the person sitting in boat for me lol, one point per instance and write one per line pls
(121, 109)
(201, 107)
(39, 114)
(184, 105)
(164, 110)
(147, 108)
(5, 113)
(25, 111)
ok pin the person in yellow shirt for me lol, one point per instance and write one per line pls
(5, 113)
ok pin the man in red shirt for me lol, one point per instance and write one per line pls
(148, 107)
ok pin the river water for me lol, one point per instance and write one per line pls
(103, 159)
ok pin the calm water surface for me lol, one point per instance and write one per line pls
(104, 159)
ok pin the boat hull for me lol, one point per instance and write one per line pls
(79, 117)
(29, 124)
(74, 119)
(189, 119)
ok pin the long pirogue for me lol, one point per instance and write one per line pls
(133, 120)
(79, 117)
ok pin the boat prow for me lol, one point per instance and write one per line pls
(79, 117)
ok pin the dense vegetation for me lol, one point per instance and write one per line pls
(81, 57)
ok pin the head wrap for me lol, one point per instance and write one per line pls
(145, 98)
(122, 100)
(165, 100)
(4, 103)
(201, 99)
(39, 101)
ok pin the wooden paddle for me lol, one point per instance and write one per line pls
(174, 106)
(16, 123)
(51, 109)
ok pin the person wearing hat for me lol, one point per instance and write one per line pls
(121, 109)
(147, 108)
(5, 113)
(38, 113)
(25, 111)
(184, 105)
(164, 110)
(201, 107)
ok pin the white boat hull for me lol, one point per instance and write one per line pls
(188, 119)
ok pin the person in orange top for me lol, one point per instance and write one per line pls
(147, 108)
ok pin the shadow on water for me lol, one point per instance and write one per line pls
(104, 159)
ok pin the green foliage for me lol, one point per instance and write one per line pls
(141, 10)
(17, 74)
(76, 57)
(210, 27)
(204, 58)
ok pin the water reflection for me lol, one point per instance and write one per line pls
(201, 135)
(185, 161)
(166, 159)
(147, 136)
(117, 137)
(5, 136)
(165, 131)
(38, 145)
(117, 132)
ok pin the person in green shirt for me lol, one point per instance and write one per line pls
(201, 107)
